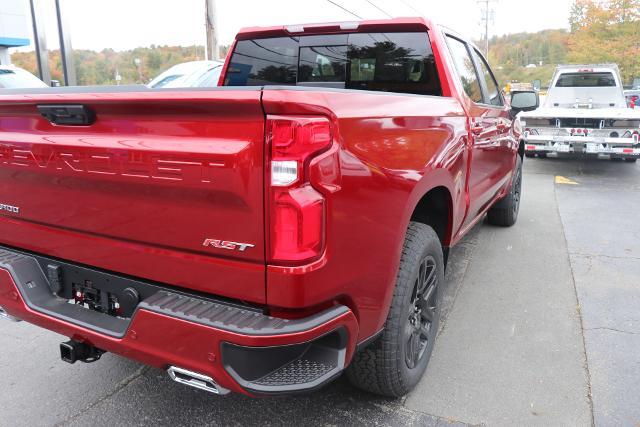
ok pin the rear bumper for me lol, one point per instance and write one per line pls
(581, 147)
(593, 145)
(240, 349)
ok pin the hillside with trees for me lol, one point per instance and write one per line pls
(100, 68)
(600, 31)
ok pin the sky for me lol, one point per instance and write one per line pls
(125, 24)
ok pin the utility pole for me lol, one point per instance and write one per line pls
(211, 51)
(66, 51)
(487, 14)
(40, 38)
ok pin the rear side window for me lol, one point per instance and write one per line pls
(390, 62)
(586, 80)
(465, 68)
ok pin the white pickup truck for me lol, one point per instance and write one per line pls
(585, 112)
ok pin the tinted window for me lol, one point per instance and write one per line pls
(263, 62)
(393, 62)
(466, 70)
(493, 92)
(323, 64)
(586, 80)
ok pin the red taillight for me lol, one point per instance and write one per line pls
(296, 209)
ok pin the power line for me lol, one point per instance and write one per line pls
(411, 6)
(376, 6)
(345, 9)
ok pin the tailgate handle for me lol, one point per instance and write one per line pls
(68, 115)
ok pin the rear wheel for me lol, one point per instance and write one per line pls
(505, 212)
(630, 160)
(394, 363)
(529, 155)
(542, 155)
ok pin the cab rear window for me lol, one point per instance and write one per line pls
(586, 80)
(390, 62)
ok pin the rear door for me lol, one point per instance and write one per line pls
(162, 185)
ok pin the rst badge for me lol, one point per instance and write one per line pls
(226, 244)
(9, 208)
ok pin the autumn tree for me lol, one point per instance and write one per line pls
(606, 31)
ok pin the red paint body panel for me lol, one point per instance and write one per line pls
(159, 172)
(388, 157)
(139, 191)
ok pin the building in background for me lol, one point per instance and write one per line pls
(14, 30)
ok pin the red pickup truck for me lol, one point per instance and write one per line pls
(264, 236)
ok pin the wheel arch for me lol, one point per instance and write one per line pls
(435, 209)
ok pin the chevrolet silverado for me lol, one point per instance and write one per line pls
(264, 236)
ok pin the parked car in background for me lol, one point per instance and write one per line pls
(585, 112)
(264, 237)
(189, 74)
(15, 78)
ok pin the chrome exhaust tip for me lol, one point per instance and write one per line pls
(195, 380)
(5, 315)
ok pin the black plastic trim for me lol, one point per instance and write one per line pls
(28, 272)
(233, 319)
(364, 344)
(36, 293)
(287, 369)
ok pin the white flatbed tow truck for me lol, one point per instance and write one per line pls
(585, 113)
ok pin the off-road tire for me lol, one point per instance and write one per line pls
(382, 367)
(505, 212)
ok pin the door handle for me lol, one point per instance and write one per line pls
(68, 115)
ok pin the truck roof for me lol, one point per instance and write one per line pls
(577, 67)
(395, 24)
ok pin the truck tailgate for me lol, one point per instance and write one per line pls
(155, 188)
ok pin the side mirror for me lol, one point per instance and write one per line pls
(524, 101)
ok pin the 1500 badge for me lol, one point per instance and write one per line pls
(226, 244)
(9, 208)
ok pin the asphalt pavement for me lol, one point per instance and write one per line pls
(541, 327)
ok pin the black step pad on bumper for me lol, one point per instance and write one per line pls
(231, 318)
